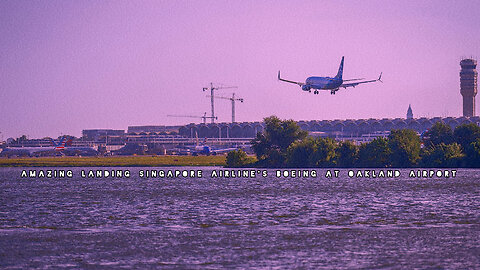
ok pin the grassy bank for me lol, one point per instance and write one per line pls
(116, 161)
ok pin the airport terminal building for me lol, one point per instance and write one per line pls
(341, 129)
(358, 130)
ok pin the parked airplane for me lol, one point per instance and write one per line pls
(70, 150)
(208, 150)
(30, 151)
(327, 83)
(203, 149)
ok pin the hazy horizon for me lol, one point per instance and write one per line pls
(73, 65)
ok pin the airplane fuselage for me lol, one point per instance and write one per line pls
(208, 150)
(74, 150)
(29, 151)
(322, 83)
(203, 150)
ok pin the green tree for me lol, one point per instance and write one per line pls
(472, 157)
(324, 154)
(466, 134)
(299, 153)
(439, 133)
(66, 137)
(442, 156)
(375, 154)
(310, 152)
(347, 154)
(237, 158)
(405, 147)
(271, 145)
(21, 139)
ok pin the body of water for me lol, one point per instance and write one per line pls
(240, 222)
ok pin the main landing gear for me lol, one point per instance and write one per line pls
(332, 92)
(315, 92)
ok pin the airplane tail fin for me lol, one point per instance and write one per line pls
(340, 69)
(69, 142)
(61, 145)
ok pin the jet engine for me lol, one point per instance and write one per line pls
(305, 88)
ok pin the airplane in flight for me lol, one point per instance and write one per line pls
(327, 83)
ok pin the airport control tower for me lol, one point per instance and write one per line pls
(468, 85)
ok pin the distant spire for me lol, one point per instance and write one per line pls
(409, 112)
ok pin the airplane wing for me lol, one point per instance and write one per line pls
(353, 84)
(224, 150)
(36, 151)
(297, 83)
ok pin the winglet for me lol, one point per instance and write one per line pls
(380, 77)
(279, 75)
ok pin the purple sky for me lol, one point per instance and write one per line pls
(72, 65)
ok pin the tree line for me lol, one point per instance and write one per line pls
(284, 144)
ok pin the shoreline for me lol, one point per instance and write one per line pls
(115, 161)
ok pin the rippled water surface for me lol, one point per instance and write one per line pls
(339, 223)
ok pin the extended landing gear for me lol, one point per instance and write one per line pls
(332, 92)
(315, 92)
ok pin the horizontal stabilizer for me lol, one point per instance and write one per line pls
(354, 80)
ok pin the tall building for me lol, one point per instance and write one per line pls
(468, 85)
(409, 112)
(95, 134)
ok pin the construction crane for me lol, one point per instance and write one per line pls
(232, 99)
(204, 117)
(213, 88)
